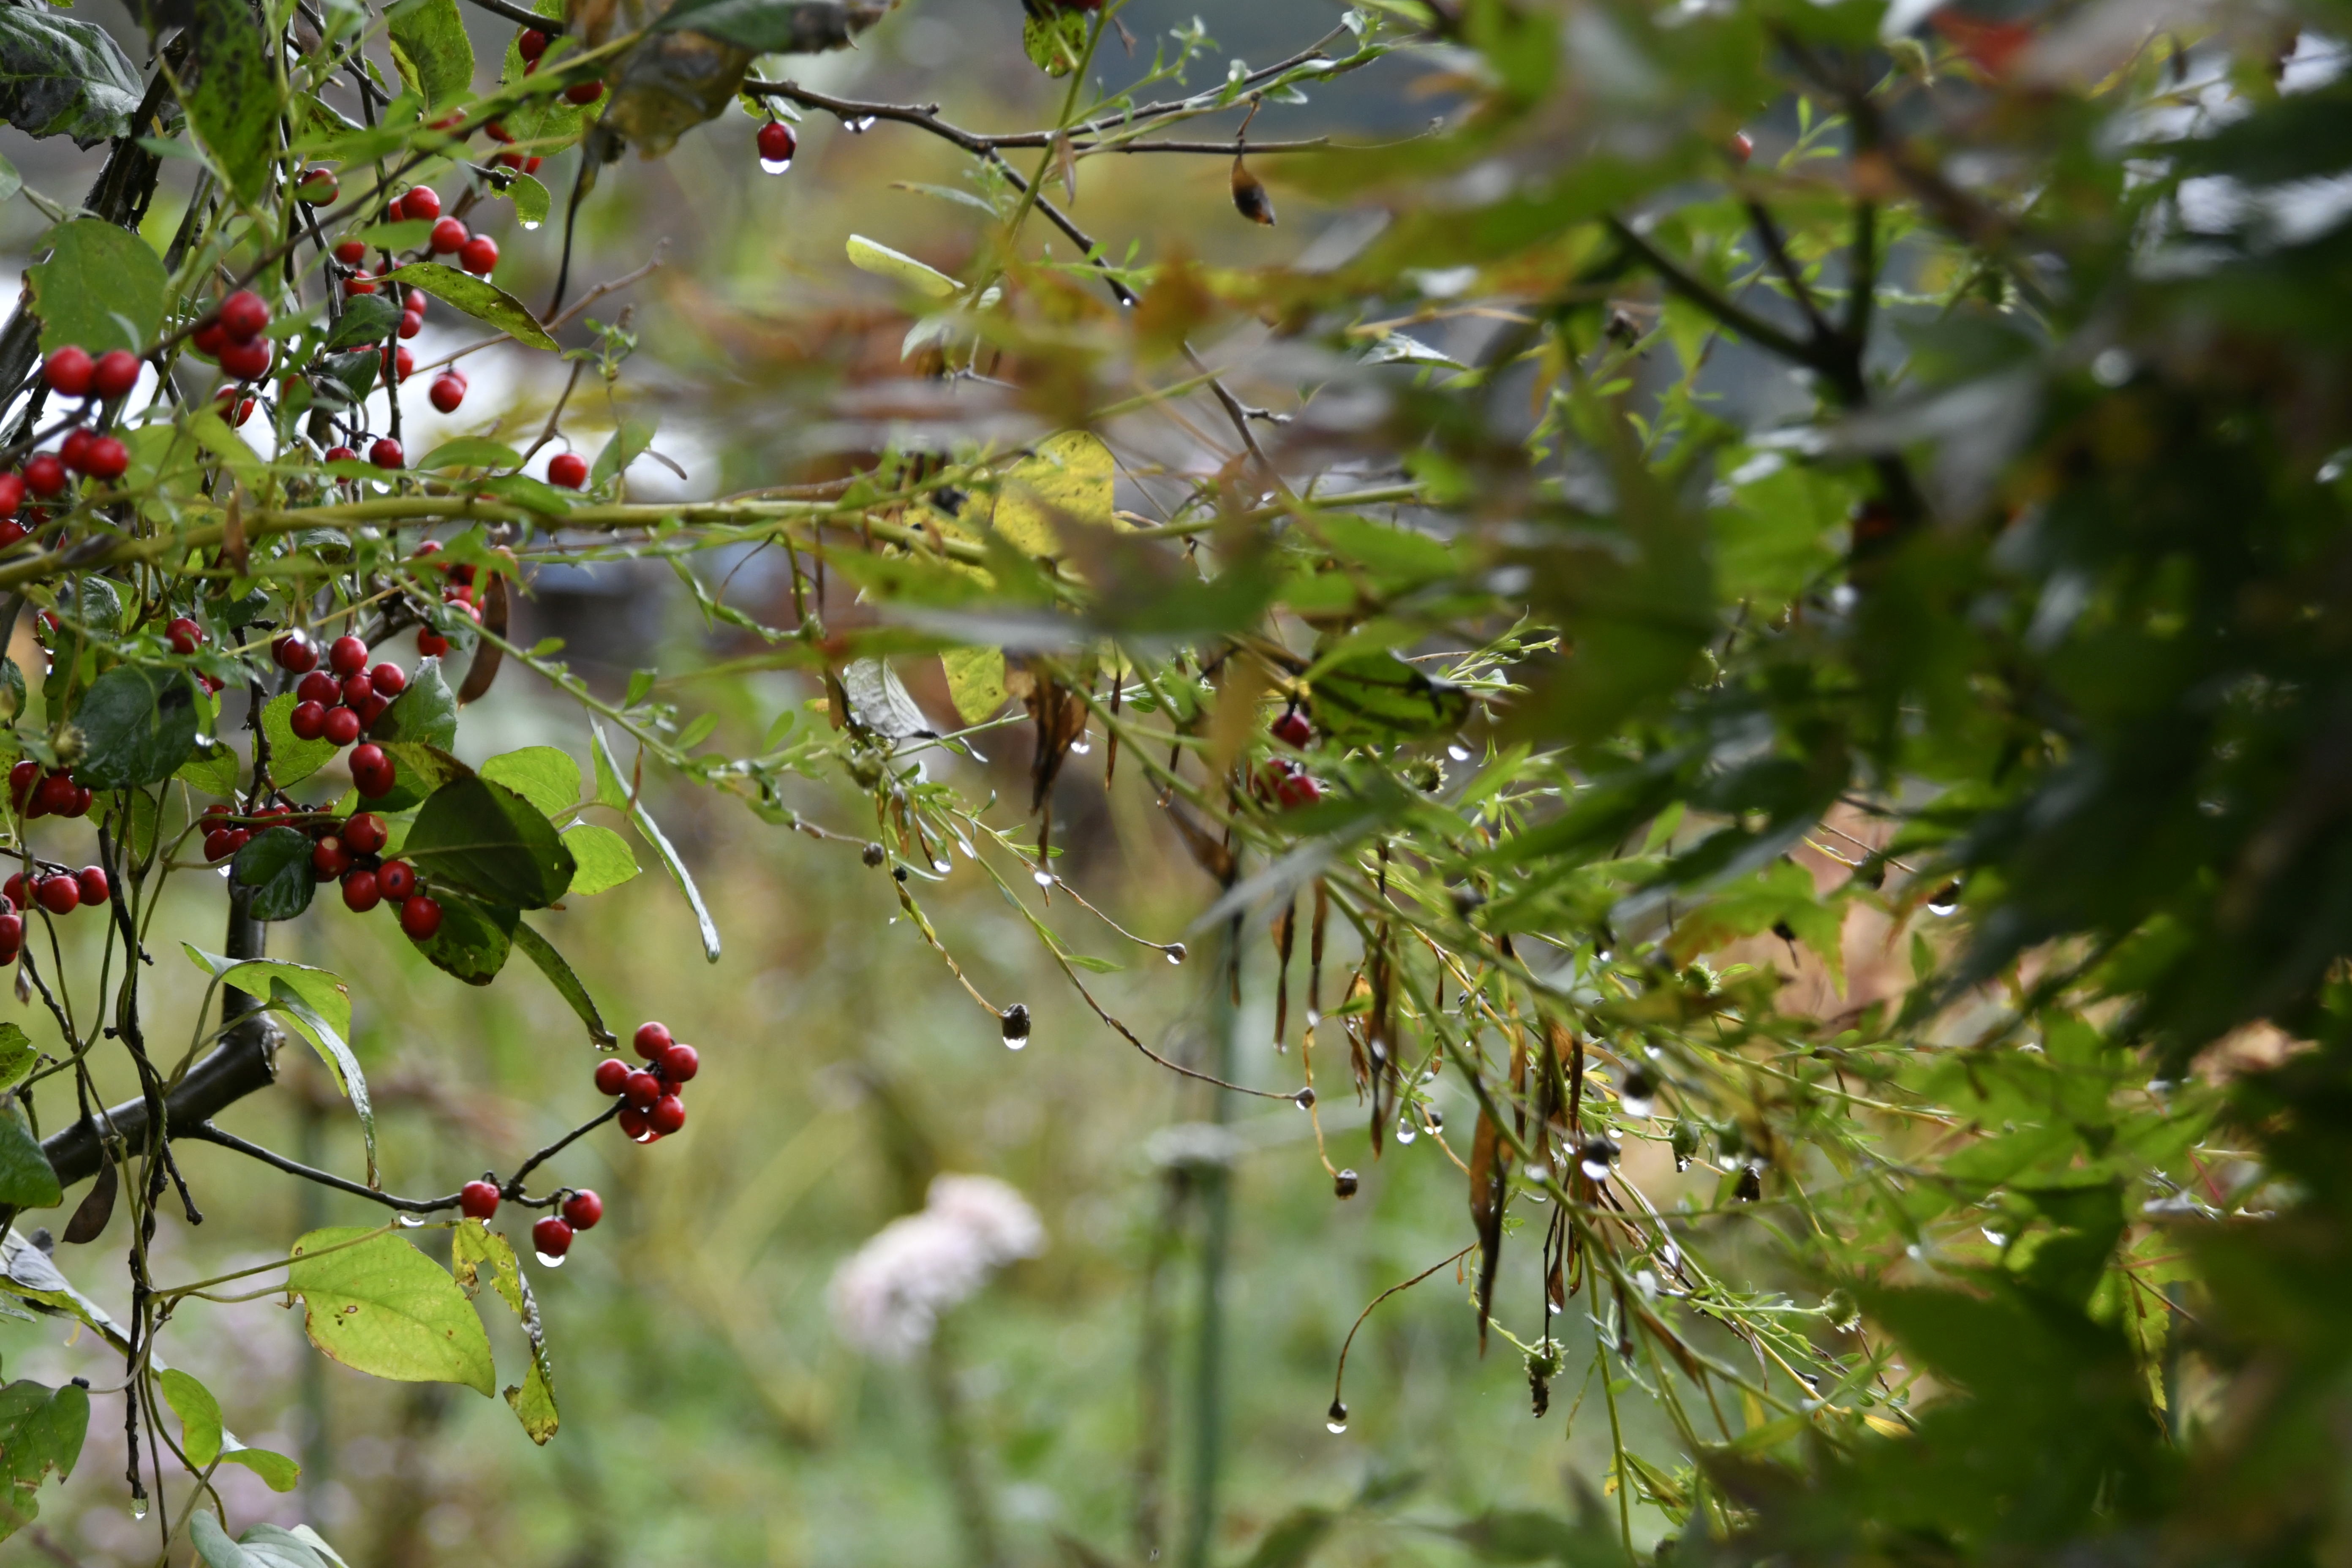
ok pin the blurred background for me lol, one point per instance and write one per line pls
(712, 1411)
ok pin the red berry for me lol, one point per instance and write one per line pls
(68, 372)
(641, 1089)
(359, 283)
(365, 833)
(422, 204)
(342, 455)
(611, 1074)
(1297, 789)
(411, 324)
(207, 339)
(386, 452)
(116, 373)
(777, 142)
(372, 771)
(248, 360)
(530, 165)
(373, 709)
(74, 450)
(295, 653)
(108, 458)
(1743, 146)
(18, 890)
(396, 877)
(341, 726)
(347, 656)
(22, 780)
(1292, 728)
(319, 686)
(352, 252)
(477, 1200)
(82, 797)
(185, 634)
(420, 917)
(361, 893)
(582, 1209)
(479, 255)
(680, 1063)
(330, 858)
(317, 188)
(583, 92)
(243, 407)
(91, 882)
(430, 644)
(307, 722)
(61, 894)
(398, 363)
(12, 937)
(356, 689)
(12, 493)
(45, 474)
(633, 1123)
(667, 1115)
(652, 1040)
(238, 838)
(448, 390)
(550, 1238)
(496, 131)
(11, 530)
(216, 846)
(54, 796)
(530, 43)
(243, 315)
(388, 678)
(447, 235)
(567, 470)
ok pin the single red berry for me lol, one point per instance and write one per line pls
(115, 374)
(68, 372)
(61, 894)
(185, 634)
(12, 937)
(582, 1209)
(385, 453)
(359, 283)
(641, 1089)
(422, 204)
(373, 709)
(341, 726)
(23, 779)
(238, 409)
(530, 43)
(317, 188)
(479, 255)
(477, 1200)
(108, 458)
(295, 653)
(777, 142)
(330, 858)
(352, 252)
(611, 1074)
(420, 917)
(398, 364)
(12, 493)
(530, 165)
(388, 678)
(551, 1239)
(216, 846)
(1743, 146)
(680, 1063)
(583, 92)
(652, 1040)
(18, 890)
(1297, 789)
(342, 455)
(411, 324)
(244, 314)
(11, 530)
(396, 877)
(83, 795)
(74, 450)
(347, 656)
(361, 893)
(449, 236)
(667, 1115)
(248, 360)
(1292, 728)
(365, 833)
(209, 339)
(54, 796)
(430, 644)
(319, 686)
(91, 882)
(238, 838)
(496, 131)
(45, 474)
(449, 392)
(372, 771)
(307, 721)
(633, 1123)
(567, 470)
(356, 689)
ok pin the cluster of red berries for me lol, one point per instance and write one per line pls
(530, 45)
(461, 591)
(71, 371)
(551, 1237)
(36, 792)
(232, 336)
(1285, 780)
(476, 253)
(337, 703)
(383, 452)
(350, 854)
(60, 892)
(652, 1107)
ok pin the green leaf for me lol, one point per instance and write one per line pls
(474, 938)
(627, 444)
(975, 681)
(1067, 478)
(764, 27)
(17, 1054)
(323, 989)
(270, 1546)
(341, 1065)
(471, 452)
(559, 972)
(1377, 698)
(493, 842)
(430, 49)
(1292, 1539)
(478, 298)
(523, 491)
(41, 1429)
(644, 822)
(276, 866)
(199, 1414)
(26, 1179)
(544, 775)
(473, 1245)
(530, 200)
(279, 1474)
(380, 1306)
(1055, 39)
(603, 858)
(884, 262)
(366, 319)
(61, 77)
(139, 723)
(424, 715)
(291, 759)
(213, 769)
(214, 1545)
(234, 105)
(100, 287)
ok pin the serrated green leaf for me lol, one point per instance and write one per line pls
(213, 769)
(1055, 39)
(474, 940)
(41, 1429)
(975, 682)
(366, 319)
(380, 1306)
(291, 759)
(471, 452)
(140, 724)
(424, 715)
(530, 200)
(17, 1055)
(627, 444)
(603, 856)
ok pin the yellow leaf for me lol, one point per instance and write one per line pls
(975, 681)
(1068, 476)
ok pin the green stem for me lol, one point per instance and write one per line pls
(1216, 1237)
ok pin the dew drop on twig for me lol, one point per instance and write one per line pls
(767, 165)
(1175, 951)
(550, 1260)
(1305, 1097)
(1015, 1022)
(407, 1221)
(1335, 1418)
(1406, 1130)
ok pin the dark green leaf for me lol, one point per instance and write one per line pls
(276, 866)
(492, 842)
(628, 443)
(367, 319)
(766, 26)
(291, 760)
(477, 297)
(41, 1429)
(430, 49)
(1377, 698)
(1054, 38)
(471, 452)
(424, 715)
(234, 103)
(26, 1180)
(17, 1055)
(213, 769)
(551, 963)
(61, 76)
(138, 724)
(474, 938)
(100, 287)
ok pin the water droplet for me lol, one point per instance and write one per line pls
(139, 1508)
(1552, 1307)
(1305, 1097)
(1314, 1016)
(774, 165)
(858, 124)
(1081, 746)
(1015, 1022)
(648, 1136)
(1682, 1163)
(408, 1221)
(1335, 1418)
(548, 1259)
(1538, 1174)
(1603, 955)
(942, 864)
(1638, 1096)
(1945, 899)
(1344, 1184)
(1458, 752)
(1996, 1237)
(1175, 952)
(1595, 1158)
(1043, 879)
(1437, 1119)
(1406, 1130)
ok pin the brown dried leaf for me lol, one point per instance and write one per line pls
(1490, 1173)
(488, 655)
